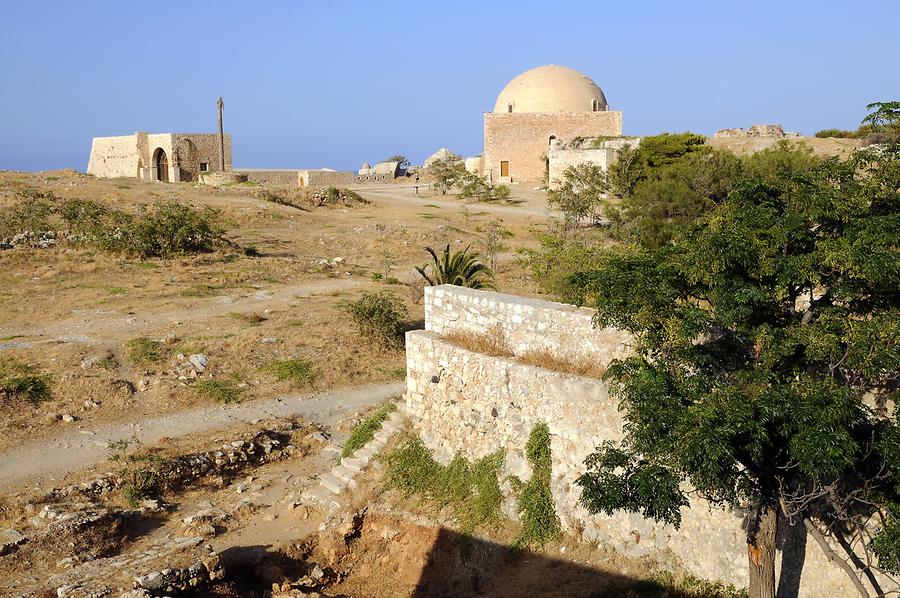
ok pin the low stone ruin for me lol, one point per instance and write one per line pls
(768, 131)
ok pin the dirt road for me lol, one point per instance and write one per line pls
(42, 460)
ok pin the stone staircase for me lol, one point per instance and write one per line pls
(327, 492)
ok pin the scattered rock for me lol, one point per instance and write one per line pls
(68, 418)
(199, 361)
(53, 417)
(9, 539)
(143, 385)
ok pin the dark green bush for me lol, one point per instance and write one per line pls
(378, 316)
(539, 521)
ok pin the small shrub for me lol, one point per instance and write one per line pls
(365, 430)
(493, 342)
(218, 390)
(298, 371)
(252, 319)
(143, 475)
(144, 351)
(19, 381)
(251, 251)
(539, 521)
(378, 316)
(109, 362)
(473, 490)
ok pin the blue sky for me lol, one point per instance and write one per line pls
(312, 84)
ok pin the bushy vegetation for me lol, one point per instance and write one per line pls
(299, 371)
(459, 268)
(581, 193)
(365, 430)
(475, 187)
(764, 326)
(164, 229)
(471, 489)
(539, 521)
(219, 390)
(33, 214)
(379, 316)
(446, 173)
(20, 381)
(665, 584)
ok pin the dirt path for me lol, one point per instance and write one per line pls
(397, 194)
(44, 460)
(98, 326)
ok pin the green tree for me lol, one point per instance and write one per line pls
(884, 120)
(477, 188)
(761, 332)
(446, 172)
(674, 194)
(459, 268)
(580, 194)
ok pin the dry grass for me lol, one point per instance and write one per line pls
(493, 342)
(582, 365)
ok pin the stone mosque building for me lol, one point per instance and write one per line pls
(535, 110)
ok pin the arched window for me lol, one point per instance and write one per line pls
(551, 140)
(595, 106)
(509, 107)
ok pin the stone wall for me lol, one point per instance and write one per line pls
(523, 139)
(272, 177)
(563, 155)
(473, 404)
(114, 157)
(326, 178)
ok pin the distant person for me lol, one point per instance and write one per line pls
(417, 184)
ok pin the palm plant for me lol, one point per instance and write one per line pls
(460, 269)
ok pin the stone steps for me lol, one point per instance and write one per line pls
(325, 494)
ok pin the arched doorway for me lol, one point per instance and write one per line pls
(161, 163)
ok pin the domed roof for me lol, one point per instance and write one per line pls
(551, 88)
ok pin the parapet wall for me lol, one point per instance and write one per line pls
(463, 402)
(527, 325)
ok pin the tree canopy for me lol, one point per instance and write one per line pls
(766, 359)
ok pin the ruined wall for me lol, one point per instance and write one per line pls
(523, 139)
(469, 403)
(326, 178)
(271, 178)
(562, 158)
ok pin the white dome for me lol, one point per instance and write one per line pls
(551, 88)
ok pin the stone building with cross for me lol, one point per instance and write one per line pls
(536, 109)
(166, 157)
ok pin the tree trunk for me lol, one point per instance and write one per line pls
(761, 552)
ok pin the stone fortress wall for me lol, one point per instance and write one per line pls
(296, 177)
(472, 404)
(523, 139)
